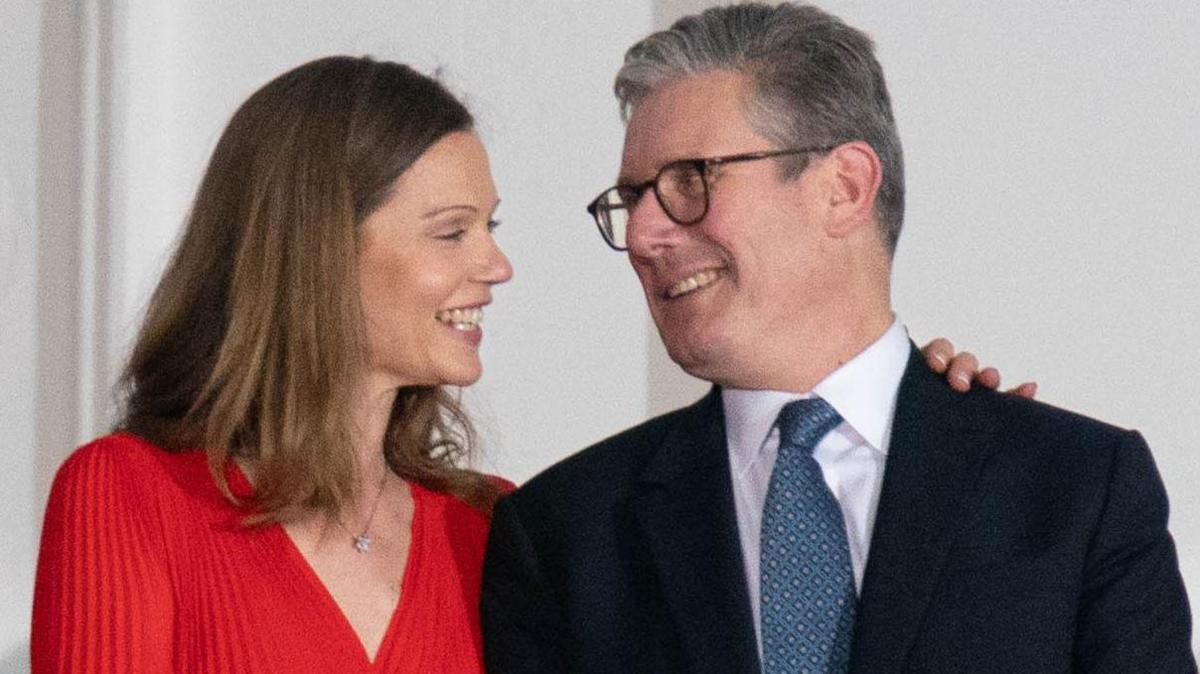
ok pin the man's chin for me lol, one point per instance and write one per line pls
(700, 360)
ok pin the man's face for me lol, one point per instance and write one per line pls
(731, 294)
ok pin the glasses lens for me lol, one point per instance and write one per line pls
(612, 215)
(682, 191)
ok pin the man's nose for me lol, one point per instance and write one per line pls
(650, 231)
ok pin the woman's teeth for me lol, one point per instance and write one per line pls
(462, 319)
(693, 282)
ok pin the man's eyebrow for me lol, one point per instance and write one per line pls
(624, 179)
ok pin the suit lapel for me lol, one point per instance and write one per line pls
(683, 504)
(935, 455)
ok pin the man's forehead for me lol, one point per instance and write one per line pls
(693, 116)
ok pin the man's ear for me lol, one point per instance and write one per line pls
(855, 173)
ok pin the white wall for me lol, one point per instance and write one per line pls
(1052, 153)
(18, 309)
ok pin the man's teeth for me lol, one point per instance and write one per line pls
(693, 282)
(462, 319)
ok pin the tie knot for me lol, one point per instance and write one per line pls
(802, 423)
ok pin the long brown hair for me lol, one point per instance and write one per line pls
(254, 336)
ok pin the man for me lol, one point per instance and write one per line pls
(831, 505)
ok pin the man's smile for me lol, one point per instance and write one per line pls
(694, 282)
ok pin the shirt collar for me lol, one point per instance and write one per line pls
(863, 391)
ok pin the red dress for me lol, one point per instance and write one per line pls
(145, 568)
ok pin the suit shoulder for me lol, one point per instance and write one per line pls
(1058, 442)
(925, 397)
(1035, 416)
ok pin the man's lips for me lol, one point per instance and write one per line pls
(693, 282)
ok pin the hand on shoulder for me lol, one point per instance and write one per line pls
(962, 369)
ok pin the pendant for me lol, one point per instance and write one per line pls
(362, 542)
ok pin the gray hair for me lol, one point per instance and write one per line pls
(816, 82)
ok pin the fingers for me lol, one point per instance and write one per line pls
(938, 354)
(962, 370)
(1026, 390)
(988, 377)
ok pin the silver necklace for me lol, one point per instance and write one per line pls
(363, 540)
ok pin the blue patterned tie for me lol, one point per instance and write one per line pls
(807, 586)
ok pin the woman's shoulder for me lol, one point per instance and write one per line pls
(124, 465)
(454, 509)
(447, 526)
(107, 457)
(505, 486)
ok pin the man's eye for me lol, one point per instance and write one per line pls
(452, 236)
(493, 224)
(629, 196)
(687, 182)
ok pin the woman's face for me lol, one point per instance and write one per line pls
(427, 264)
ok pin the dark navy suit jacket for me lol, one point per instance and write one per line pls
(1010, 537)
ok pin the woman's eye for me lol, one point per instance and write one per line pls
(492, 225)
(454, 235)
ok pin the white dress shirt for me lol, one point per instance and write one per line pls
(852, 456)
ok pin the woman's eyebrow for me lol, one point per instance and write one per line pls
(445, 209)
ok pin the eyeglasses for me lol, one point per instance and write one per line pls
(681, 188)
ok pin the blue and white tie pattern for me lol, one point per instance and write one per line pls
(807, 584)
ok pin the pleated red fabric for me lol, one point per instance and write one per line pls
(145, 567)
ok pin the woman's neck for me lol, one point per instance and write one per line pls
(369, 417)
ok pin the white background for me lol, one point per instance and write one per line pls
(1053, 190)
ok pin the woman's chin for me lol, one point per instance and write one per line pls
(462, 376)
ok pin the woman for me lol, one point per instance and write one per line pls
(283, 492)
(330, 280)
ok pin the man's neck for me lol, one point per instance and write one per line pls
(818, 349)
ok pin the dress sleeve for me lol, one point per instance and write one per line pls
(102, 599)
(505, 486)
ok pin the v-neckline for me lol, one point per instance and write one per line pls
(399, 611)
